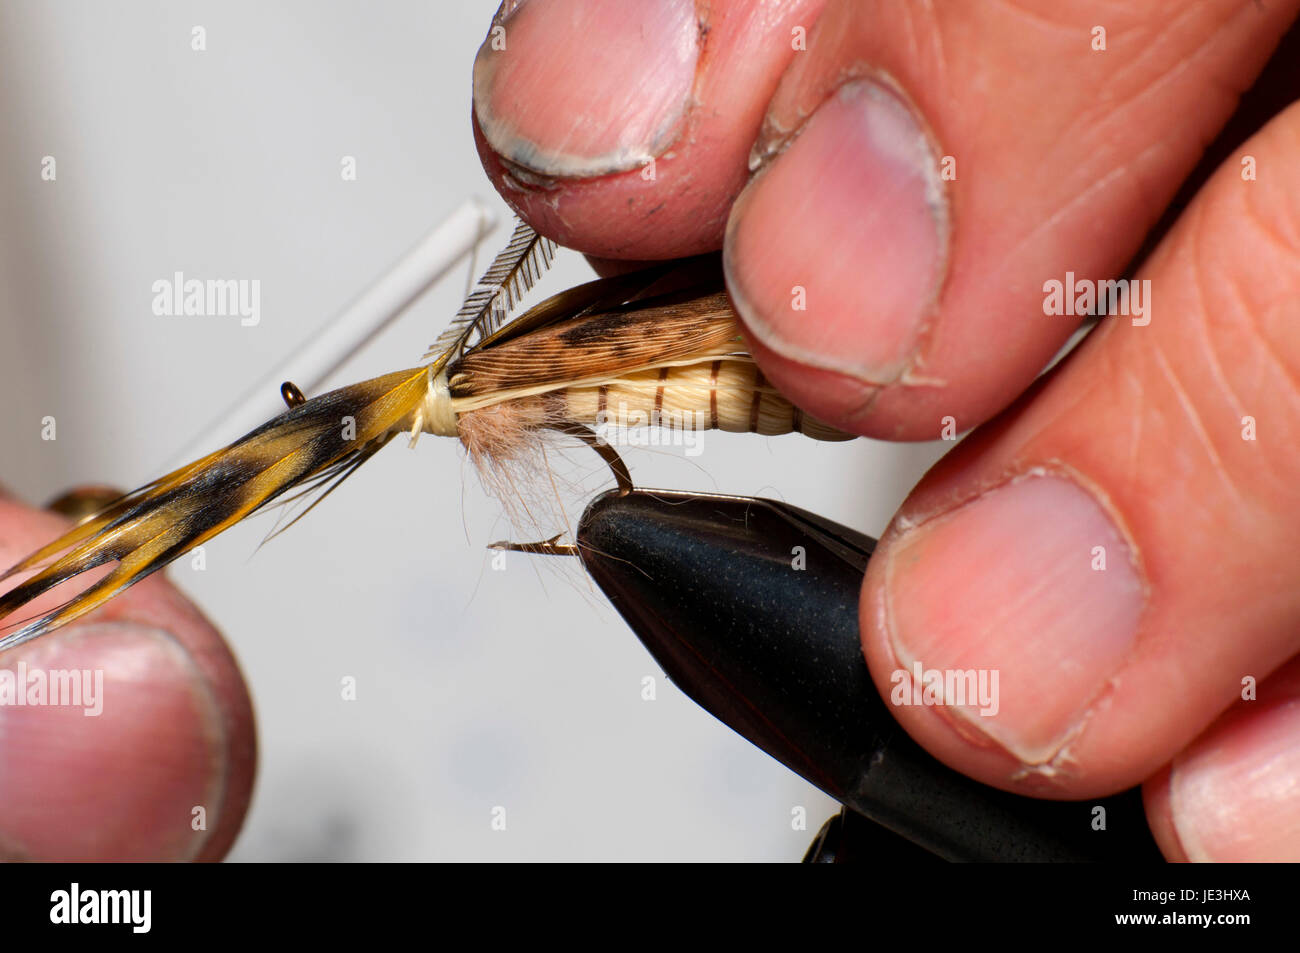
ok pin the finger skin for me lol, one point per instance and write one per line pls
(1057, 158)
(1176, 444)
(1229, 795)
(1064, 157)
(1075, 157)
(681, 210)
(176, 730)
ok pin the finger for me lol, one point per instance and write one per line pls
(1230, 795)
(151, 757)
(926, 168)
(1120, 547)
(623, 129)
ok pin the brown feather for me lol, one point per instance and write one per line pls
(601, 346)
(147, 529)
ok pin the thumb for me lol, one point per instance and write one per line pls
(925, 167)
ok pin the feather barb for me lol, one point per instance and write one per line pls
(317, 443)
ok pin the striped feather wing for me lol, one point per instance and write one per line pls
(320, 441)
(663, 331)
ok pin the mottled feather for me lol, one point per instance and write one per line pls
(601, 346)
(149, 528)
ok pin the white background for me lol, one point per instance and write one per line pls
(477, 688)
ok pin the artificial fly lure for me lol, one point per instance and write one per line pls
(660, 347)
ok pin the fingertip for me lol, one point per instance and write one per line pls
(1155, 798)
(163, 770)
(639, 151)
(660, 212)
(581, 153)
(116, 747)
(624, 106)
(990, 609)
(1206, 813)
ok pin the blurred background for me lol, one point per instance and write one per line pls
(476, 688)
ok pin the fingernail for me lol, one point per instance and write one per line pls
(109, 740)
(1031, 581)
(836, 251)
(1233, 798)
(578, 89)
(83, 501)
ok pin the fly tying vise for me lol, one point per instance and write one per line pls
(660, 347)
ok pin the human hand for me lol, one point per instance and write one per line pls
(167, 727)
(1117, 544)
